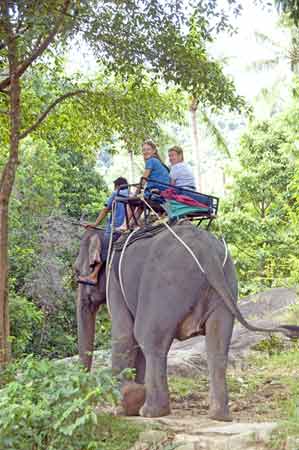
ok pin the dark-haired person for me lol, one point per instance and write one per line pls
(119, 216)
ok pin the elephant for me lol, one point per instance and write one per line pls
(163, 292)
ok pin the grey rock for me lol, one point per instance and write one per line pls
(238, 436)
(188, 358)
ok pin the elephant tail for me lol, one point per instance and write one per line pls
(218, 282)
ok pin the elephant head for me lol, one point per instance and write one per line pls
(89, 298)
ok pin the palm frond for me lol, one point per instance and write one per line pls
(264, 64)
(262, 38)
(215, 133)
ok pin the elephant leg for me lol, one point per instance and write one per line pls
(124, 352)
(155, 345)
(140, 367)
(86, 318)
(219, 328)
(157, 396)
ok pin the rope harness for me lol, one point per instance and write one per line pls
(109, 262)
(127, 241)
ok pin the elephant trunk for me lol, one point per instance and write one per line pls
(86, 319)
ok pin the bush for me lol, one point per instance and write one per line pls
(25, 319)
(51, 406)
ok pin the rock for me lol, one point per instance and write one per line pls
(151, 439)
(194, 433)
(238, 436)
(292, 443)
(152, 436)
(188, 358)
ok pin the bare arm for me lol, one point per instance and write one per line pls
(145, 176)
(143, 179)
(102, 215)
(99, 219)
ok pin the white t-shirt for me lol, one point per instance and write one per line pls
(181, 174)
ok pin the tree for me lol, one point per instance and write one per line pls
(290, 7)
(15, 59)
(260, 215)
(125, 36)
(203, 91)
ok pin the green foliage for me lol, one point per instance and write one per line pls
(103, 329)
(271, 345)
(25, 318)
(83, 191)
(43, 244)
(49, 406)
(259, 218)
(290, 7)
(183, 387)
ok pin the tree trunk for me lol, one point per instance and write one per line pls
(4, 315)
(195, 140)
(7, 181)
(131, 167)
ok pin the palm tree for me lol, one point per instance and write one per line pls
(200, 115)
(290, 7)
(288, 54)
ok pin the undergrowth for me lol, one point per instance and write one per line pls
(50, 406)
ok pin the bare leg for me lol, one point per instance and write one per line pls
(218, 335)
(137, 213)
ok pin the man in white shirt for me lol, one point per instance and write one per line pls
(180, 173)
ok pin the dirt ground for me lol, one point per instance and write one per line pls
(247, 403)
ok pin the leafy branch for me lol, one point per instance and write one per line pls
(49, 109)
(40, 48)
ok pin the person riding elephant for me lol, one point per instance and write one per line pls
(176, 283)
(99, 258)
(155, 177)
(180, 173)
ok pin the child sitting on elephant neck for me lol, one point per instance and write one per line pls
(119, 216)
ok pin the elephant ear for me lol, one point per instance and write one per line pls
(94, 251)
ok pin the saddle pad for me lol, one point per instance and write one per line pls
(176, 209)
(146, 232)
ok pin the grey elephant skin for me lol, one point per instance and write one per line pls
(165, 296)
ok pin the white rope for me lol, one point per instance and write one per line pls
(176, 236)
(108, 271)
(111, 231)
(108, 262)
(226, 252)
(120, 262)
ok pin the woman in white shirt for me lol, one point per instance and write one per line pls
(180, 173)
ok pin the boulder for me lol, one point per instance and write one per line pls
(264, 309)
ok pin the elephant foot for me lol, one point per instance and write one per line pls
(154, 411)
(133, 397)
(221, 416)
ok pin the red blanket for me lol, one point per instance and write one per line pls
(171, 194)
